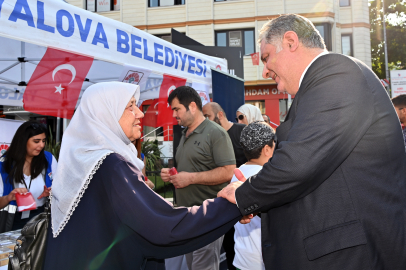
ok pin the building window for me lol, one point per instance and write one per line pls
(346, 45)
(345, 3)
(325, 31)
(244, 38)
(164, 3)
(258, 103)
(102, 5)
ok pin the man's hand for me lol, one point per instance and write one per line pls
(247, 219)
(12, 195)
(181, 180)
(165, 174)
(228, 192)
(45, 193)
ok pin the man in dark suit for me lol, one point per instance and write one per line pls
(334, 194)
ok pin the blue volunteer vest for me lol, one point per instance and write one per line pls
(8, 187)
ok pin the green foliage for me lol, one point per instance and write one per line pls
(395, 13)
(152, 153)
(52, 146)
(162, 188)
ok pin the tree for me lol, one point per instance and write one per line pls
(395, 12)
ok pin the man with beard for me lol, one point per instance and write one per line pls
(214, 112)
(205, 161)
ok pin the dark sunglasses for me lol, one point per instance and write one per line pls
(241, 117)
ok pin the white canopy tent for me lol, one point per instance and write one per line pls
(28, 27)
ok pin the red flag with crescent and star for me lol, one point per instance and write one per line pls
(169, 84)
(255, 58)
(55, 85)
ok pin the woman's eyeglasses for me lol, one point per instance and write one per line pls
(240, 117)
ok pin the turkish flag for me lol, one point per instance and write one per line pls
(169, 84)
(55, 85)
(255, 58)
(151, 115)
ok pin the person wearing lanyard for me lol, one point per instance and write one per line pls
(25, 167)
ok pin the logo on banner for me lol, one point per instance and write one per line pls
(204, 98)
(133, 77)
(218, 67)
(3, 149)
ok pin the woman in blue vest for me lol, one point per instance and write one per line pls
(26, 166)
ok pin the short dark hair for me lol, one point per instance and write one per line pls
(399, 101)
(186, 95)
(256, 153)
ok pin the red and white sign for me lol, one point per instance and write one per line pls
(55, 85)
(398, 82)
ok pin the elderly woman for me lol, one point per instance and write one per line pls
(103, 214)
(247, 114)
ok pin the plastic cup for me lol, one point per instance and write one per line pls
(25, 202)
(173, 171)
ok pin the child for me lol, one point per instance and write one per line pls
(257, 141)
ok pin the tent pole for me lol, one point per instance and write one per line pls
(58, 129)
(65, 124)
(22, 63)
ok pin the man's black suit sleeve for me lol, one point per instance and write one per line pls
(331, 116)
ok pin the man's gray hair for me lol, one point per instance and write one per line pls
(274, 30)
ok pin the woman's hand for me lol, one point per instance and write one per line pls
(150, 184)
(12, 196)
(45, 193)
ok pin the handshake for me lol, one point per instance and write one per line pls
(184, 179)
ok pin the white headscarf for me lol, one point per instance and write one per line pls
(93, 133)
(251, 112)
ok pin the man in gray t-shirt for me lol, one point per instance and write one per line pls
(206, 163)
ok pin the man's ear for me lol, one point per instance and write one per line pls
(220, 115)
(291, 40)
(192, 107)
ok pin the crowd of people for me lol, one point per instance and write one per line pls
(325, 191)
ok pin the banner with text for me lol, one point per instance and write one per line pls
(63, 26)
(398, 82)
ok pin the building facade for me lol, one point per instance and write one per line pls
(344, 24)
